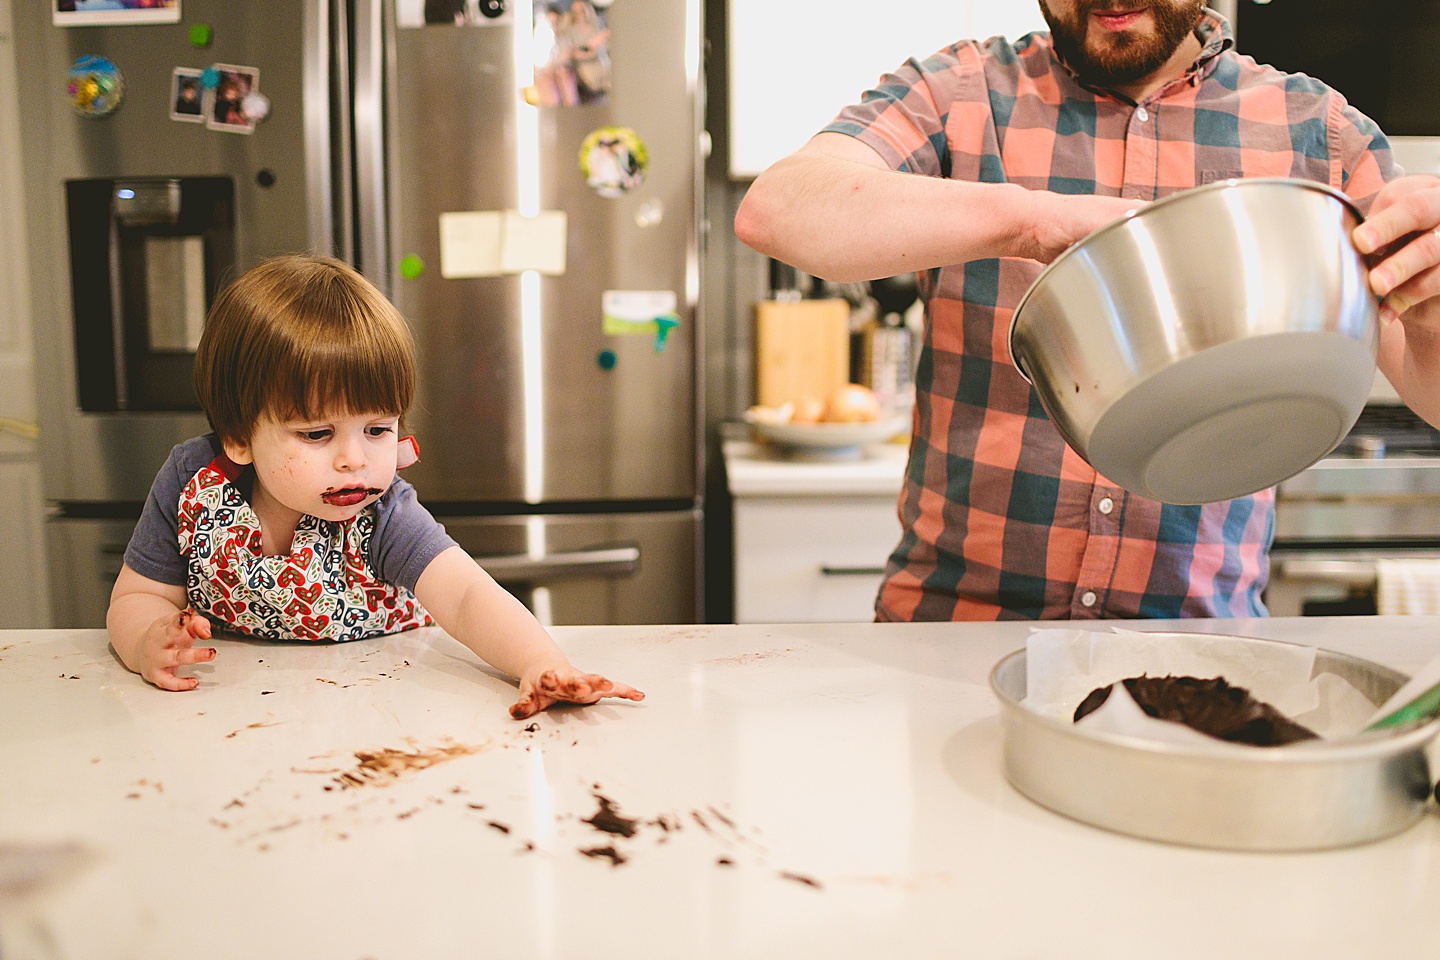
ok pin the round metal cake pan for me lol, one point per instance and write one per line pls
(1263, 799)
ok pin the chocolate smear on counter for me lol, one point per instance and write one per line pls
(800, 878)
(497, 825)
(606, 853)
(1211, 706)
(252, 726)
(608, 819)
(531, 727)
(721, 817)
(666, 822)
(383, 767)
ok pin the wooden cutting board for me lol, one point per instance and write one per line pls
(802, 348)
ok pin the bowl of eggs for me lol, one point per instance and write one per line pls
(849, 418)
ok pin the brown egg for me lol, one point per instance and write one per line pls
(851, 403)
(807, 410)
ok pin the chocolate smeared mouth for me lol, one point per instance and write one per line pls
(349, 496)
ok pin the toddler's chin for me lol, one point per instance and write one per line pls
(338, 514)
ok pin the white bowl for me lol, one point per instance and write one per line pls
(829, 436)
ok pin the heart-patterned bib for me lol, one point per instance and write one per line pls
(324, 589)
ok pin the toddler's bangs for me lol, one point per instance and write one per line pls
(368, 370)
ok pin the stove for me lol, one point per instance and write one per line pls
(1384, 431)
(1376, 497)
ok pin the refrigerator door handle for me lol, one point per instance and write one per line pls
(520, 569)
(368, 71)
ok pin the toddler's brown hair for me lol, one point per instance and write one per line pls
(298, 337)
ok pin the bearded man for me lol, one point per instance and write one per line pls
(981, 162)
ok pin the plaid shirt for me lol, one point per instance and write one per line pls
(1002, 520)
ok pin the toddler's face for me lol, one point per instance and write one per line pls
(331, 468)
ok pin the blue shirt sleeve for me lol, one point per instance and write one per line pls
(154, 548)
(406, 537)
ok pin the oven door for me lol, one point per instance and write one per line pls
(1332, 581)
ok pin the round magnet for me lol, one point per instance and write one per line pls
(491, 9)
(606, 359)
(613, 161)
(95, 86)
(411, 266)
(255, 106)
(200, 35)
(210, 78)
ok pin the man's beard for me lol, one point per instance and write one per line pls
(1123, 58)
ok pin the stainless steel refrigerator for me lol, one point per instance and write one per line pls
(533, 213)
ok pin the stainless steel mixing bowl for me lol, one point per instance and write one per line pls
(1309, 797)
(1209, 345)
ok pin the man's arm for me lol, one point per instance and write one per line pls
(836, 210)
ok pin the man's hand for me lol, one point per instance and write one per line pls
(1402, 245)
(168, 644)
(565, 685)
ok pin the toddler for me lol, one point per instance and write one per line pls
(288, 522)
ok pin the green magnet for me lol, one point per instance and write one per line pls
(411, 266)
(200, 34)
(663, 326)
(606, 359)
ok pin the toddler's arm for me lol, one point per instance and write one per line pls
(474, 609)
(153, 633)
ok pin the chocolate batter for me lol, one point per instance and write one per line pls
(1211, 706)
(606, 853)
(608, 820)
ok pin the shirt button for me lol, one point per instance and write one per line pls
(1088, 598)
(1105, 505)
(1142, 114)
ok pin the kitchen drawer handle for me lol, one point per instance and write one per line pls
(522, 568)
(834, 571)
(1356, 573)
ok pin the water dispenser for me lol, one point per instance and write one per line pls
(147, 256)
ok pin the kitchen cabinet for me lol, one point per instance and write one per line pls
(811, 536)
(23, 598)
(802, 790)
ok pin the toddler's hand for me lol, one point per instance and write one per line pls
(566, 685)
(168, 644)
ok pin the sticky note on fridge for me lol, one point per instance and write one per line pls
(471, 243)
(534, 243)
(635, 311)
(639, 311)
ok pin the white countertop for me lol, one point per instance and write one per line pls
(761, 469)
(802, 791)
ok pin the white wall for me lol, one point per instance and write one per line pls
(23, 593)
(794, 63)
